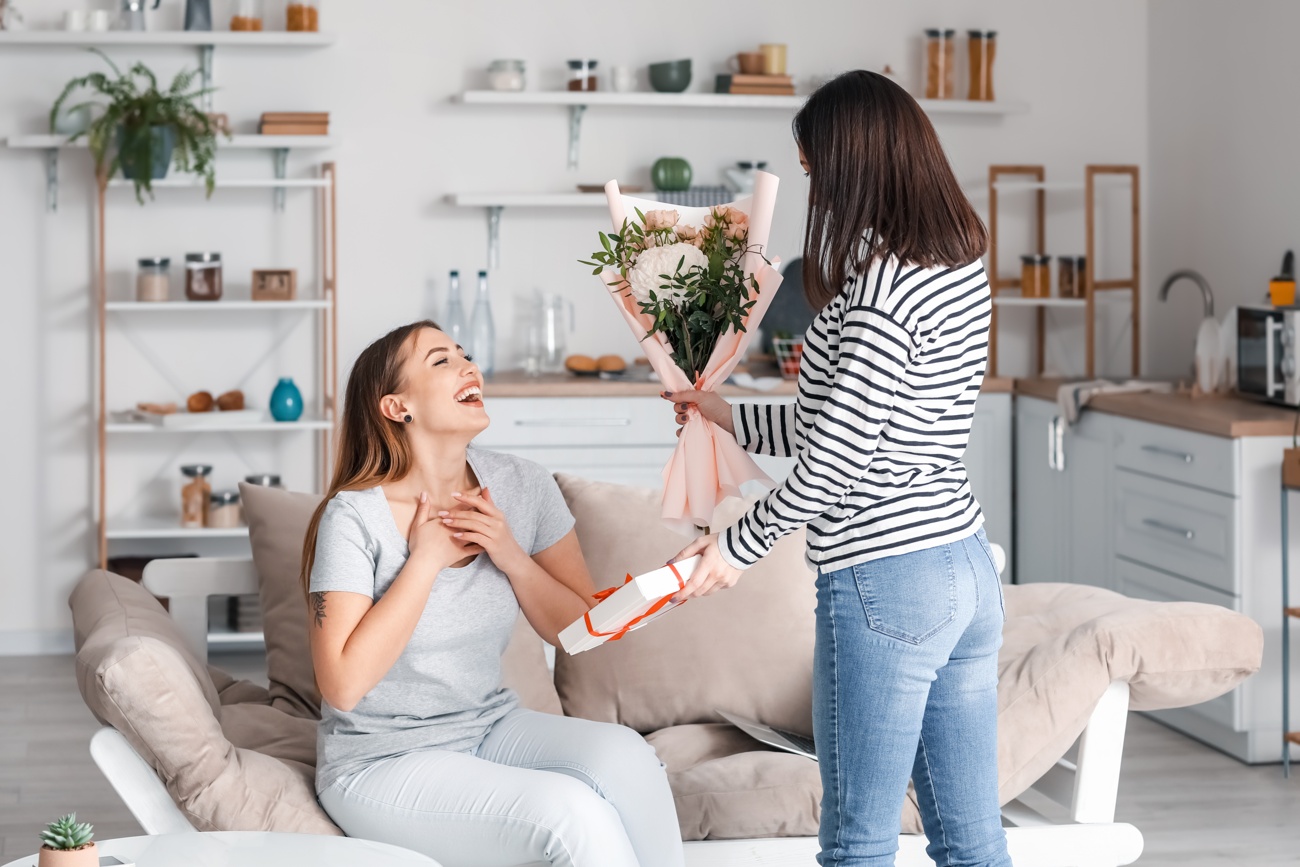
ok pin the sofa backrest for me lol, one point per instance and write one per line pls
(747, 650)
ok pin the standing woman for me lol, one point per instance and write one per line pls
(909, 604)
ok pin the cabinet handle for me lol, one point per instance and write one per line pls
(1189, 535)
(573, 422)
(1185, 457)
(1056, 444)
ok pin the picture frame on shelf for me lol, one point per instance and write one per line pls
(275, 284)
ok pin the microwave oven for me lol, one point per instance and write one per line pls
(1266, 354)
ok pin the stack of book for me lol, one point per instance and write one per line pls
(295, 123)
(761, 85)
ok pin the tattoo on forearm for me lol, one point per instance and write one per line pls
(318, 608)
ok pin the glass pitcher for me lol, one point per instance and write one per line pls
(558, 319)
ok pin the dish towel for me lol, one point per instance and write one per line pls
(1074, 396)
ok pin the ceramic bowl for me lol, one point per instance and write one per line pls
(671, 77)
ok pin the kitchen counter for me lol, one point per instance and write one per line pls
(1219, 416)
(517, 384)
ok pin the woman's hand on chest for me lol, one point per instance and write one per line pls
(479, 522)
(433, 543)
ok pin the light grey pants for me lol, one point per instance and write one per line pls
(541, 789)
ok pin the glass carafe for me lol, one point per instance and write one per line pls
(556, 326)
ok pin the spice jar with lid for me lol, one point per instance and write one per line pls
(203, 276)
(224, 511)
(1068, 279)
(195, 494)
(302, 16)
(153, 279)
(981, 46)
(582, 75)
(264, 480)
(1035, 276)
(506, 75)
(940, 54)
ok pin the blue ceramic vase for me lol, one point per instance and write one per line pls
(286, 401)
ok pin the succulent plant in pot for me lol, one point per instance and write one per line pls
(143, 130)
(66, 842)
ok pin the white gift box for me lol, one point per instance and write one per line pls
(629, 607)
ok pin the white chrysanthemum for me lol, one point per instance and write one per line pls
(645, 277)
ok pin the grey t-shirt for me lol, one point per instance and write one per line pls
(444, 692)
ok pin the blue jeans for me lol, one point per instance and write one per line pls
(905, 685)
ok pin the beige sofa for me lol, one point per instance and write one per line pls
(234, 756)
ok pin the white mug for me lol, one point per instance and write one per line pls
(99, 20)
(74, 19)
(622, 78)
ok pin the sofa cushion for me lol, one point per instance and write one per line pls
(728, 786)
(146, 688)
(1063, 644)
(277, 525)
(747, 650)
(108, 609)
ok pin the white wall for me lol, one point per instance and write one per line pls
(1224, 170)
(1081, 67)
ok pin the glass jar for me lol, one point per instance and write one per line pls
(302, 16)
(224, 511)
(1066, 284)
(582, 75)
(506, 75)
(264, 480)
(247, 15)
(203, 276)
(1081, 275)
(195, 494)
(153, 280)
(940, 54)
(981, 47)
(1035, 276)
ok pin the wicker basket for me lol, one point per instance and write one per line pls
(788, 353)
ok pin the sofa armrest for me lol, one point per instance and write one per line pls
(188, 582)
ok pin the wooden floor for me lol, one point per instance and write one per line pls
(1195, 807)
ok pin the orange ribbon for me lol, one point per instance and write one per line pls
(602, 595)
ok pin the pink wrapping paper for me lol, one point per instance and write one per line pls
(708, 464)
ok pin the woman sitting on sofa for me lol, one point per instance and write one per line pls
(416, 566)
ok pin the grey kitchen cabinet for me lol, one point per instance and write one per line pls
(1062, 496)
(1167, 514)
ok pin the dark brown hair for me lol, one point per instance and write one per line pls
(880, 186)
(372, 448)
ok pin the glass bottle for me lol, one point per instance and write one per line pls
(453, 324)
(482, 333)
(939, 56)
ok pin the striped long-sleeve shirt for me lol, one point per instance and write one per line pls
(890, 372)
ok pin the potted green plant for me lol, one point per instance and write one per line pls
(143, 130)
(66, 842)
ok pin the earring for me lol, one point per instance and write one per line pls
(408, 418)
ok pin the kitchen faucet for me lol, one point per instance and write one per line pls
(1198, 279)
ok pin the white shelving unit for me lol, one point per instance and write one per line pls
(267, 426)
(579, 101)
(166, 528)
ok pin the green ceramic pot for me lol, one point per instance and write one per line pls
(671, 174)
(673, 76)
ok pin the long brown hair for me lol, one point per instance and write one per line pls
(880, 186)
(372, 448)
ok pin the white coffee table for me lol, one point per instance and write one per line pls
(253, 849)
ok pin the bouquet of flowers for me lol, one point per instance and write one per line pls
(691, 283)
